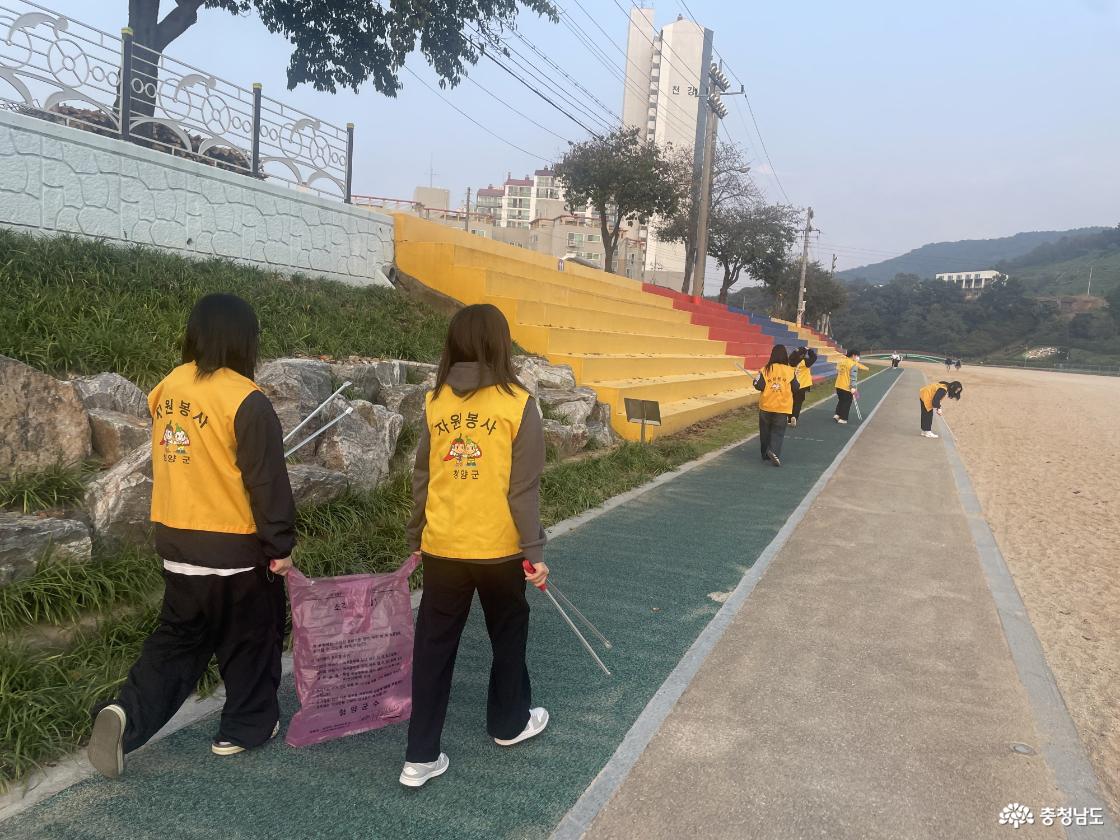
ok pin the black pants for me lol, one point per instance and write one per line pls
(798, 401)
(843, 403)
(240, 620)
(927, 417)
(449, 587)
(771, 431)
(894, 362)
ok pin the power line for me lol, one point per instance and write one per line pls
(519, 113)
(541, 95)
(472, 119)
(566, 75)
(688, 70)
(643, 94)
(754, 120)
(525, 65)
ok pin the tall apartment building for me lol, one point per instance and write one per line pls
(662, 97)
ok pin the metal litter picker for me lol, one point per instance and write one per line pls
(859, 414)
(555, 593)
(307, 419)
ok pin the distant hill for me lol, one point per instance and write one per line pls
(1063, 267)
(965, 255)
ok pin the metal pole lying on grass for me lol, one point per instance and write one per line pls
(529, 567)
(298, 446)
(321, 406)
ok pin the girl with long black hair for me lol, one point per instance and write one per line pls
(225, 528)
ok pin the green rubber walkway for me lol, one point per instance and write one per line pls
(650, 573)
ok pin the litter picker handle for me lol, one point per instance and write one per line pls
(530, 568)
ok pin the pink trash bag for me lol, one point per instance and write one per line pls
(352, 653)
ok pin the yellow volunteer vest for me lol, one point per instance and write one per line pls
(929, 392)
(468, 515)
(844, 374)
(196, 484)
(804, 377)
(777, 391)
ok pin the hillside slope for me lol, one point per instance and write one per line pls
(1071, 277)
(964, 255)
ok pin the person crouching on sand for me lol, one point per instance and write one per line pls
(778, 383)
(931, 396)
(801, 360)
(847, 377)
(476, 517)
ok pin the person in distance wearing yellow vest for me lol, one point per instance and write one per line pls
(778, 383)
(476, 516)
(931, 396)
(801, 360)
(847, 377)
(225, 529)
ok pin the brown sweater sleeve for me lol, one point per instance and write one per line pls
(420, 488)
(525, 483)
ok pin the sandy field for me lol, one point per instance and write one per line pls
(1043, 452)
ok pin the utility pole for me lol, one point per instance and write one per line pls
(804, 266)
(705, 209)
(718, 112)
(832, 273)
(467, 218)
(1090, 287)
(703, 117)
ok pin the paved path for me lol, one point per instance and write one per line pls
(863, 692)
(866, 690)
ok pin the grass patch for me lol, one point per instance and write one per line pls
(54, 487)
(61, 592)
(82, 306)
(357, 532)
(46, 697)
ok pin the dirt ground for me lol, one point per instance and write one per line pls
(1043, 452)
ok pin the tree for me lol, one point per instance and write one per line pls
(345, 42)
(754, 237)
(1113, 298)
(731, 184)
(623, 178)
(823, 294)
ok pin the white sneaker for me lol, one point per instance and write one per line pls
(930, 434)
(416, 774)
(538, 720)
(841, 422)
(835, 416)
(106, 743)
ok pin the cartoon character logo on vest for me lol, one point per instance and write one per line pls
(463, 450)
(168, 437)
(182, 440)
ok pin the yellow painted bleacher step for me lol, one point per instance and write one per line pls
(617, 338)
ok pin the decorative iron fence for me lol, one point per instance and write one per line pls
(59, 69)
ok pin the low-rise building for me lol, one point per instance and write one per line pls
(971, 282)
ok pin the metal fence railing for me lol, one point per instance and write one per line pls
(59, 69)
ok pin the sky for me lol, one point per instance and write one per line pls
(900, 124)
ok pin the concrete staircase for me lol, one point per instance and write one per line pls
(619, 339)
